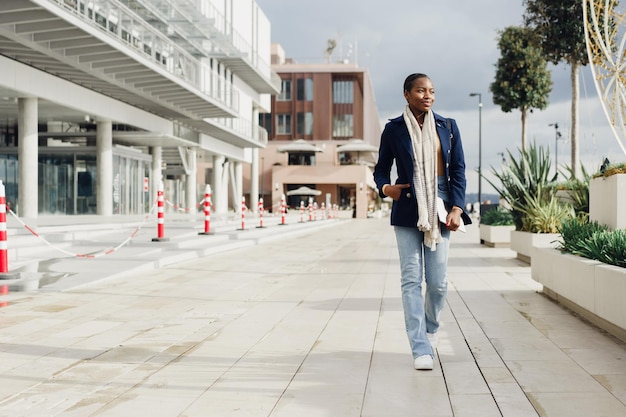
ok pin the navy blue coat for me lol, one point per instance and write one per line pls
(395, 144)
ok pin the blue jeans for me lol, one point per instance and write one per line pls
(419, 263)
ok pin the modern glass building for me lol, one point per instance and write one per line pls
(102, 101)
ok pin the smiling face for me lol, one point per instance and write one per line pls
(420, 96)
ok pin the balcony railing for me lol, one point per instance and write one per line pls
(126, 27)
(243, 128)
(195, 22)
(208, 19)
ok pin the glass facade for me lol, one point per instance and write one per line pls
(301, 158)
(283, 124)
(9, 175)
(285, 92)
(304, 88)
(67, 181)
(304, 124)
(343, 126)
(343, 109)
(66, 184)
(343, 92)
(265, 121)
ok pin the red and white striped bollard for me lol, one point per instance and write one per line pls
(260, 226)
(4, 259)
(243, 213)
(160, 215)
(207, 211)
(283, 210)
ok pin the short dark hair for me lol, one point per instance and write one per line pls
(408, 83)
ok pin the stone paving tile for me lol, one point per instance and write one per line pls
(615, 384)
(577, 404)
(474, 405)
(305, 325)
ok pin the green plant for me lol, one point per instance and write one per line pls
(527, 186)
(523, 80)
(606, 170)
(545, 216)
(578, 190)
(561, 29)
(497, 217)
(612, 247)
(594, 241)
(576, 233)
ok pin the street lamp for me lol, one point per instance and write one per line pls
(480, 132)
(557, 135)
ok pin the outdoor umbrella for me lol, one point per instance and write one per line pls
(358, 146)
(304, 191)
(299, 145)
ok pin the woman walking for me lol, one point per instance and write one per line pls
(428, 155)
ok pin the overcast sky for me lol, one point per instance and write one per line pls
(455, 43)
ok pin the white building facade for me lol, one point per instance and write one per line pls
(102, 101)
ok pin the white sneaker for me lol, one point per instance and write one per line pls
(433, 338)
(423, 363)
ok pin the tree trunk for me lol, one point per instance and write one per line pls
(523, 110)
(574, 134)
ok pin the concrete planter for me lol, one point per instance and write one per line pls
(524, 242)
(564, 196)
(592, 289)
(495, 236)
(607, 201)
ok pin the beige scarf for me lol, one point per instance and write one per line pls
(425, 175)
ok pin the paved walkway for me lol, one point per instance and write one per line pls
(302, 326)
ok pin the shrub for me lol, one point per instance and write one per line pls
(594, 241)
(527, 186)
(497, 217)
(545, 216)
(575, 234)
(607, 169)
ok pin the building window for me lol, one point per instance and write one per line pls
(285, 91)
(283, 124)
(343, 92)
(265, 121)
(304, 123)
(343, 126)
(301, 158)
(304, 88)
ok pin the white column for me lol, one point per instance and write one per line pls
(234, 192)
(254, 180)
(226, 181)
(104, 168)
(239, 181)
(27, 155)
(157, 176)
(219, 197)
(191, 193)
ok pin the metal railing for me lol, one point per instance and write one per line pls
(243, 128)
(126, 27)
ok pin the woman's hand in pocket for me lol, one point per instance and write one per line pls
(395, 191)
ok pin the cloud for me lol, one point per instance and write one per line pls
(455, 43)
